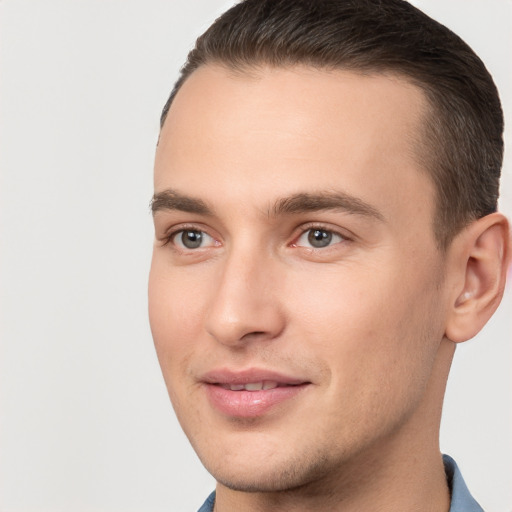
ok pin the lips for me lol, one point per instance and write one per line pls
(250, 393)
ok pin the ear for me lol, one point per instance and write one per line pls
(480, 257)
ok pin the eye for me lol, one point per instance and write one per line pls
(192, 239)
(318, 238)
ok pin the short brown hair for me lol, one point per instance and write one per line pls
(463, 140)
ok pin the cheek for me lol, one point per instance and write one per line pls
(175, 312)
(373, 328)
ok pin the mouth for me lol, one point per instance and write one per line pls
(252, 393)
(263, 385)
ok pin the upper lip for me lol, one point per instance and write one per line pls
(246, 376)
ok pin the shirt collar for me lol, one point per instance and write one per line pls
(462, 501)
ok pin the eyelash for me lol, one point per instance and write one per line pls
(169, 237)
(304, 229)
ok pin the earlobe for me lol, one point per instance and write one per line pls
(483, 254)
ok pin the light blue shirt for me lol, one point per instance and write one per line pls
(462, 501)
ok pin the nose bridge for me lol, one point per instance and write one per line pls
(245, 304)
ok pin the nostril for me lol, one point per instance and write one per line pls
(253, 334)
(238, 319)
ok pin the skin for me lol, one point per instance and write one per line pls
(368, 321)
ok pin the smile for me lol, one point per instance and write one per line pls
(250, 394)
(253, 386)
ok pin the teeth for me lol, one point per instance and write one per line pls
(252, 386)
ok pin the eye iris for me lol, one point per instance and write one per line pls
(319, 238)
(191, 239)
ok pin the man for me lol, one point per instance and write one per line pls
(326, 181)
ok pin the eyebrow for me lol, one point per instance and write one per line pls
(306, 202)
(297, 203)
(171, 200)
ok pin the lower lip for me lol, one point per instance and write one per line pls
(250, 404)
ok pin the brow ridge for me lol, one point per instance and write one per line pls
(172, 200)
(312, 202)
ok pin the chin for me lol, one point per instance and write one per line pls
(269, 476)
(266, 481)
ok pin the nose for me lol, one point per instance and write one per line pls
(245, 306)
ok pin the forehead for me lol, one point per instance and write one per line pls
(215, 90)
(277, 131)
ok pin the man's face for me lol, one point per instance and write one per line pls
(295, 291)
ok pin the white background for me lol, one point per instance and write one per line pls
(85, 422)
